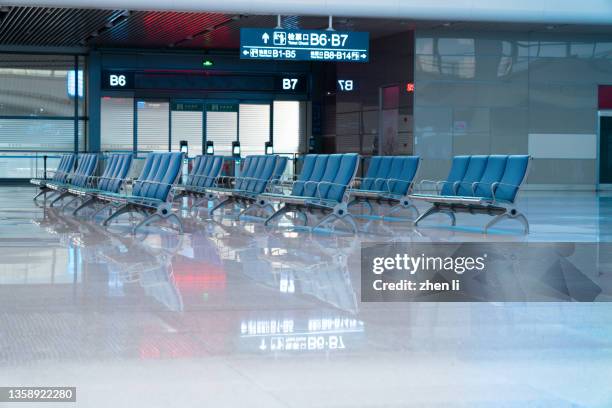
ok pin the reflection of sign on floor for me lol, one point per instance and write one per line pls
(315, 334)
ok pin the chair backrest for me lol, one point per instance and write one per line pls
(263, 174)
(115, 172)
(281, 165)
(205, 171)
(473, 174)
(159, 173)
(326, 176)
(331, 170)
(456, 173)
(393, 174)
(375, 179)
(85, 169)
(307, 169)
(493, 173)
(249, 165)
(310, 186)
(60, 166)
(343, 175)
(64, 168)
(514, 174)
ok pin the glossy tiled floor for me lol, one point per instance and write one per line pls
(231, 315)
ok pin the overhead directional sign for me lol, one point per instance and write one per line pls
(304, 45)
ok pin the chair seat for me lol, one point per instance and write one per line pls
(227, 191)
(434, 198)
(374, 194)
(192, 189)
(39, 182)
(128, 198)
(58, 186)
(86, 191)
(300, 200)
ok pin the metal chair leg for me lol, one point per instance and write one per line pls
(198, 203)
(120, 211)
(145, 222)
(59, 198)
(520, 217)
(43, 191)
(402, 206)
(66, 205)
(99, 210)
(452, 217)
(495, 220)
(84, 204)
(222, 204)
(432, 210)
(304, 216)
(515, 215)
(348, 219)
(279, 213)
(325, 220)
(366, 203)
(178, 220)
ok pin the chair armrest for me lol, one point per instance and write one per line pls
(436, 183)
(388, 182)
(319, 183)
(495, 185)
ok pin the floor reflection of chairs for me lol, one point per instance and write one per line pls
(322, 272)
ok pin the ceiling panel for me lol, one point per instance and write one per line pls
(62, 27)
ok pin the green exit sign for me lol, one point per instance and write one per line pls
(207, 63)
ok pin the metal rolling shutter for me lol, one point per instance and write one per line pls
(153, 125)
(117, 123)
(222, 129)
(187, 125)
(254, 128)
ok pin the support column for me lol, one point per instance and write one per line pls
(94, 77)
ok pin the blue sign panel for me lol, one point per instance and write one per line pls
(304, 45)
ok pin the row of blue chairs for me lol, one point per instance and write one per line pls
(480, 184)
(64, 168)
(151, 192)
(326, 189)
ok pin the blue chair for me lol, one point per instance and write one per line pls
(81, 177)
(389, 180)
(322, 187)
(205, 173)
(112, 180)
(480, 185)
(152, 193)
(254, 179)
(64, 168)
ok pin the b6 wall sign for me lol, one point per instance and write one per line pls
(117, 80)
(304, 45)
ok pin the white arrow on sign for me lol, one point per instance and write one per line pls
(245, 52)
(363, 56)
(265, 37)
